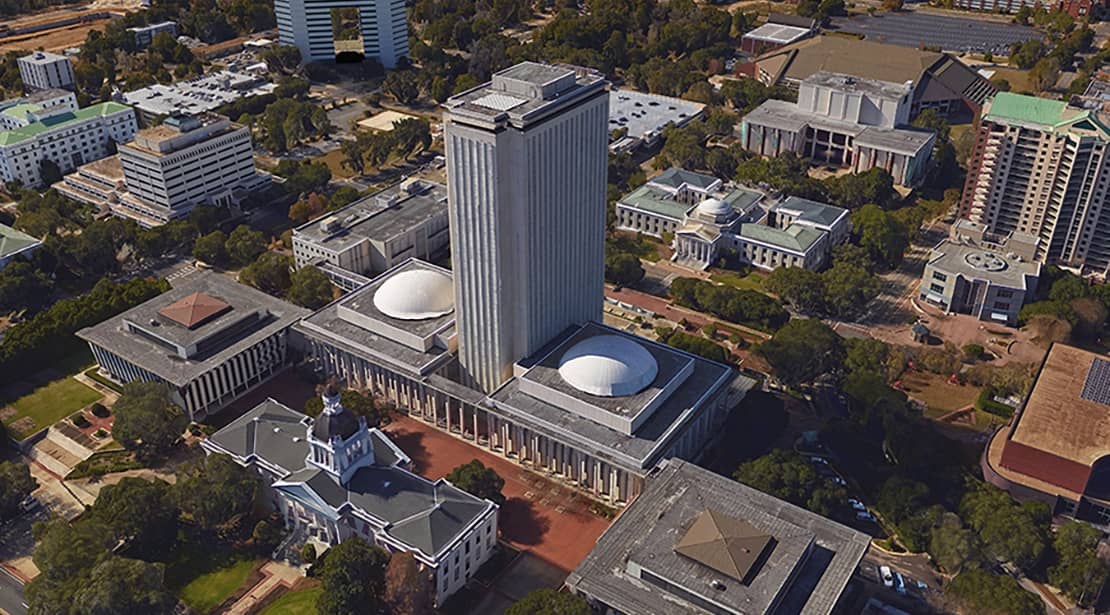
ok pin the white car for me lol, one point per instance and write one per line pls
(864, 516)
(856, 504)
(839, 481)
(815, 459)
(887, 575)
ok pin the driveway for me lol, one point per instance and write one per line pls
(11, 595)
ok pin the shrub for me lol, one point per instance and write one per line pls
(973, 352)
(99, 410)
(986, 403)
(80, 421)
(101, 433)
(308, 552)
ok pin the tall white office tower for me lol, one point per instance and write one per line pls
(526, 175)
(383, 30)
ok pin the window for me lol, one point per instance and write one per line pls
(939, 276)
(937, 288)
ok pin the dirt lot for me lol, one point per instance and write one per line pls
(60, 38)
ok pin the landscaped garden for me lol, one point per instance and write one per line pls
(27, 409)
(299, 602)
(205, 577)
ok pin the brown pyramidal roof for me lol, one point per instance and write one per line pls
(726, 544)
(194, 310)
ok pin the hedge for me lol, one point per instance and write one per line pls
(986, 403)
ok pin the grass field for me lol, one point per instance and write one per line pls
(935, 391)
(302, 602)
(48, 404)
(1018, 78)
(203, 579)
(751, 281)
(334, 159)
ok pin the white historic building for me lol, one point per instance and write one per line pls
(333, 478)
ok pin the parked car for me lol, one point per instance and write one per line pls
(839, 481)
(29, 503)
(899, 583)
(816, 459)
(863, 515)
(887, 576)
(856, 504)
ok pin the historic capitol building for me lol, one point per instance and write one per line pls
(507, 350)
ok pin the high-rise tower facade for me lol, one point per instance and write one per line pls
(526, 160)
(308, 24)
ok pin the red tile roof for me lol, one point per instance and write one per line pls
(194, 310)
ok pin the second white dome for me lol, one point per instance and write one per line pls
(608, 366)
(417, 294)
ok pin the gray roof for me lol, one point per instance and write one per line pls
(646, 115)
(675, 177)
(815, 212)
(376, 218)
(13, 241)
(426, 515)
(523, 94)
(640, 450)
(275, 315)
(785, 115)
(976, 263)
(849, 83)
(342, 425)
(810, 559)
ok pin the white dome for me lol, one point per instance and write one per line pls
(608, 365)
(714, 207)
(416, 294)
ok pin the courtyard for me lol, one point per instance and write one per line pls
(37, 402)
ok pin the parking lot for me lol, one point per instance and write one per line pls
(912, 29)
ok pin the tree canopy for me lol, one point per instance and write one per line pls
(214, 491)
(991, 594)
(802, 350)
(353, 579)
(549, 602)
(147, 421)
(139, 514)
(310, 288)
(787, 475)
(16, 483)
(478, 480)
(1076, 567)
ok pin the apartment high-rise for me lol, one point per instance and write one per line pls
(1040, 169)
(526, 159)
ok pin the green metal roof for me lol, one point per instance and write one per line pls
(12, 241)
(20, 111)
(655, 201)
(1012, 107)
(796, 237)
(30, 131)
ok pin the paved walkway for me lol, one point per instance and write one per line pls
(548, 519)
(87, 489)
(275, 575)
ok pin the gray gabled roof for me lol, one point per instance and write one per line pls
(271, 431)
(675, 177)
(812, 211)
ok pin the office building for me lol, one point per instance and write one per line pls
(1055, 449)
(307, 25)
(144, 35)
(198, 95)
(69, 138)
(706, 217)
(15, 244)
(778, 31)
(26, 110)
(376, 233)
(210, 339)
(941, 81)
(184, 162)
(637, 118)
(844, 121)
(99, 183)
(595, 408)
(332, 478)
(43, 70)
(1039, 168)
(971, 274)
(526, 168)
(698, 542)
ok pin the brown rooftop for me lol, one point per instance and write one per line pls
(726, 544)
(194, 310)
(836, 54)
(1060, 417)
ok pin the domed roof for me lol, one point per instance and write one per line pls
(416, 294)
(328, 426)
(714, 207)
(608, 365)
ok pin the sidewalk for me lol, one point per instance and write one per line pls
(275, 575)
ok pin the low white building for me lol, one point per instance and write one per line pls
(184, 162)
(59, 132)
(144, 35)
(43, 70)
(333, 478)
(198, 95)
(376, 233)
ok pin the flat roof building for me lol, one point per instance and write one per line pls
(644, 116)
(144, 35)
(1056, 449)
(697, 542)
(333, 478)
(210, 339)
(15, 243)
(376, 233)
(43, 70)
(778, 31)
(845, 121)
(26, 110)
(198, 95)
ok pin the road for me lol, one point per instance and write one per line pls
(11, 595)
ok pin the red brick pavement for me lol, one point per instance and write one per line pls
(548, 519)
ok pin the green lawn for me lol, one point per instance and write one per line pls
(302, 602)
(48, 404)
(751, 281)
(203, 579)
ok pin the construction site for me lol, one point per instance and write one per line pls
(60, 28)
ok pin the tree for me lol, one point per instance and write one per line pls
(788, 476)
(140, 514)
(1013, 532)
(991, 594)
(623, 268)
(244, 244)
(268, 273)
(693, 344)
(308, 552)
(266, 535)
(408, 589)
(801, 288)
(352, 156)
(402, 86)
(951, 544)
(802, 350)
(854, 190)
(16, 484)
(1076, 568)
(121, 585)
(353, 579)
(880, 234)
(147, 421)
(549, 602)
(214, 490)
(49, 172)
(849, 289)
(1044, 74)
(310, 288)
(478, 480)
(64, 551)
(211, 248)
(412, 136)
(892, 5)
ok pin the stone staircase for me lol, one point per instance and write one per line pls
(62, 449)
